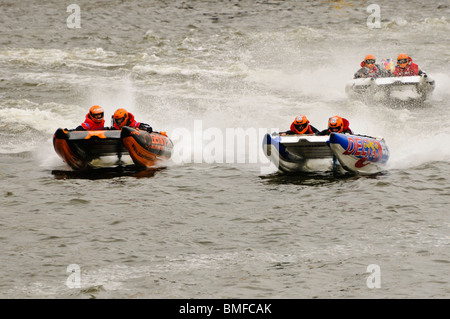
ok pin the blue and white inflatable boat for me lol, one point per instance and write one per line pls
(404, 88)
(355, 153)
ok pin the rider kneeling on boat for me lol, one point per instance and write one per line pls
(94, 120)
(123, 118)
(369, 69)
(336, 124)
(406, 67)
(301, 126)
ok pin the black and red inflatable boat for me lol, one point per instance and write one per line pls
(79, 148)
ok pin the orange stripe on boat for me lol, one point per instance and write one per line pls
(100, 134)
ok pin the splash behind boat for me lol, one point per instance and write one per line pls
(79, 148)
(388, 88)
(355, 153)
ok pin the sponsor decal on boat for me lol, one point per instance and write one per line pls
(368, 150)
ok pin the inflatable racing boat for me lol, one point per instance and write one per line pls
(355, 153)
(385, 88)
(79, 148)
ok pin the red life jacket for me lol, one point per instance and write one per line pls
(90, 125)
(130, 122)
(308, 131)
(409, 70)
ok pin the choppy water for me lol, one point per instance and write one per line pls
(220, 223)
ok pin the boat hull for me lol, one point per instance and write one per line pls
(355, 153)
(360, 154)
(291, 153)
(79, 148)
(391, 88)
(145, 148)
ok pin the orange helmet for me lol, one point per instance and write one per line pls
(301, 124)
(120, 117)
(402, 60)
(96, 113)
(370, 60)
(336, 124)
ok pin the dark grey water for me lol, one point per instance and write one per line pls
(218, 221)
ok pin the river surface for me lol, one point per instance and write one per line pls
(218, 220)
